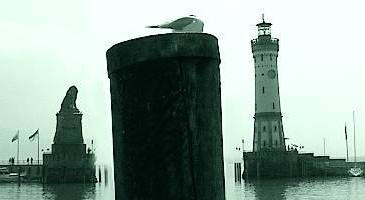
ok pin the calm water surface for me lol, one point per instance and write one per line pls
(289, 189)
(333, 188)
(35, 191)
(329, 188)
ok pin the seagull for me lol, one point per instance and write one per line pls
(189, 24)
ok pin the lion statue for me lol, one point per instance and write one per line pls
(69, 102)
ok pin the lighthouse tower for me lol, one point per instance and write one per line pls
(268, 129)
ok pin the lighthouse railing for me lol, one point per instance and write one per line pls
(274, 40)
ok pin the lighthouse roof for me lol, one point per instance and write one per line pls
(264, 24)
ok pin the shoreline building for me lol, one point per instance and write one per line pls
(69, 160)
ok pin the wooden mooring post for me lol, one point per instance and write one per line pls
(99, 173)
(237, 172)
(166, 117)
(106, 175)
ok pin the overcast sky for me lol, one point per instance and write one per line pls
(48, 46)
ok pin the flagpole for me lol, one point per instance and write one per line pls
(17, 155)
(353, 118)
(324, 146)
(347, 148)
(38, 146)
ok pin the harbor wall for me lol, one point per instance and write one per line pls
(274, 164)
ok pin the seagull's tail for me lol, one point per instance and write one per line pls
(152, 26)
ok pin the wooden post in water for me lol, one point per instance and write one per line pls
(257, 170)
(166, 117)
(237, 172)
(18, 174)
(106, 174)
(99, 173)
(246, 171)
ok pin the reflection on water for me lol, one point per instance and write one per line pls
(37, 191)
(268, 190)
(69, 191)
(334, 188)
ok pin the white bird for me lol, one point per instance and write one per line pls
(183, 25)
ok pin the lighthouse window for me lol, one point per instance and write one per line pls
(270, 56)
(263, 128)
(264, 143)
(263, 90)
(262, 74)
(276, 143)
(275, 128)
(262, 57)
(273, 105)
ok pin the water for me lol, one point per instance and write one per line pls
(37, 191)
(334, 188)
(287, 189)
(290, 189)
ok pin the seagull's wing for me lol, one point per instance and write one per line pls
(179, 23)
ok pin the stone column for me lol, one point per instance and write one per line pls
(166, 115)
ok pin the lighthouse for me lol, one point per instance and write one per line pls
(268, 125)
(269, 158)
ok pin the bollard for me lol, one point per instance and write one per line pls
(166, 117)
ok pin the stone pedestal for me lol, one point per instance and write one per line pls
(166, 115)
(69, 161)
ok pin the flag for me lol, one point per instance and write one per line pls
(345, 132)
(16, 136)
(31, 138)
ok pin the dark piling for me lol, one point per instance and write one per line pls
(166, 115)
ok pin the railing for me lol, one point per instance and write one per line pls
(274, 40)
(21, 162)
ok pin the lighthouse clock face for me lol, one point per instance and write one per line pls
(271, 74)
